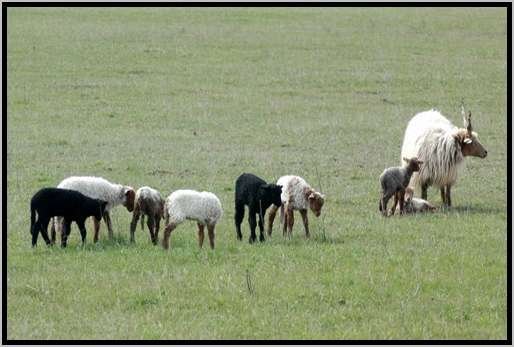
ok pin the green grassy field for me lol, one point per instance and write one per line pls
(191, 98)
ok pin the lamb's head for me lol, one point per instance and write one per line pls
(468, 139)
(271, 193)
(128, 197)
(414, 164)
(316, 201)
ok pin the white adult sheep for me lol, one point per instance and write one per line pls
(100, 188)
(442, 147)
(203, 207)
(148, 202)
(297, 194)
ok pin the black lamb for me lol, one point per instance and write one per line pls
(70, 204)
(258, 196)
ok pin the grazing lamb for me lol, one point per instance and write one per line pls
(71, 205)
(415, 205)
(203, 207)
(100, 188)
(442, 147)
(297, 194)
(148, 202)
(393, 181)
(258, 196)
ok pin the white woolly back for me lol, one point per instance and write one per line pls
(429, 136)
(204, 207)
(96, 188)
(147, 193)
(293, 191)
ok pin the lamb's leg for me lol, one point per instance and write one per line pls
(395, 203)
(82, 229)
(167, 232)
(448, 196)
(385, 199)
(290, 219)
(96, 225)
(305, 222)
(210, 229)
(261, 228)
(271, 218)
(133, 224)
(238, 217)
(253, 224)
(35, 232)
(401, 198)
(200, 234)
(52, 230)
(107, 219)
(424, 188)
(156, 230)
(151, 225)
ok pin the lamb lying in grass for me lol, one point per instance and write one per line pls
(297, 194)
(148, 202)
(71, 205)
(393, 181)
(414, 205)
(203, 207)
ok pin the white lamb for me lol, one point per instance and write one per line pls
(100, 188)
(203, 207)
(297, 194)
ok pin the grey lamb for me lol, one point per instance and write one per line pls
(394, 180)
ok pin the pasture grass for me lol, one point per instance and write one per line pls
(191, 98)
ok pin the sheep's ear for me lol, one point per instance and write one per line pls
(468, 141)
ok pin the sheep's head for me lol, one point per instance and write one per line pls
(316, 201)
(468, 139)
(128, 200)
(271, 193)
(413, 163)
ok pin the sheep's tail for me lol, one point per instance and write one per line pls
(32, 218)
(142, 222)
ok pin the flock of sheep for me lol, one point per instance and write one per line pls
(432, 153)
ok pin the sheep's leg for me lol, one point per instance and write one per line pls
(52, 230)
(151, 225)
(253, 224)
(167, 232)
(443, 195)
(35, 232)
(238, 217)
(82, 229)
(156, 230)
(96, 224)
(107, 219)
(210, 229)
(200, 234)
(290, 219)
(271, 218)
(395, 203)
(66, 228)
(448, 196)
(285, 221)
(305, 220)
(133, 224)
(261, 228)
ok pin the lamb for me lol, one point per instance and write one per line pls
(71, 205)
(203, 207)
(149, 202)
(100, 188)
(297, 194)
(442, 147)
(415, 205)
(255, 193)
(393, 181)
